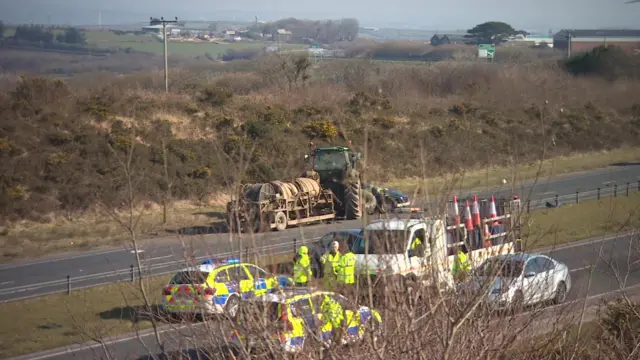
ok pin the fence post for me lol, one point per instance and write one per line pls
(638, 185)
(528, 206)
(295, 246)
(556, 200)
(627, 189)
(577, 197)
(133, 277)
(246, 254)
(598, 193)
(68, 285)
(615, 190)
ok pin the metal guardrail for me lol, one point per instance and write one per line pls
(130, 274)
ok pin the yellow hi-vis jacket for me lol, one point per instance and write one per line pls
(302, 267)
(460, 263)
(330, 267)
(347, 268)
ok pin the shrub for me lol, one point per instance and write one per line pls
(320, 129)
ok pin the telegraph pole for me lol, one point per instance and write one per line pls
(166, 54)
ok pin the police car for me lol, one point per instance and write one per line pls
(218, 287)
(294, 315)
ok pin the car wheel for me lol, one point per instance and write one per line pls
(231, 308)
(561, 293)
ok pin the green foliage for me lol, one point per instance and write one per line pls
(492, 32)
(384, 122)
(8, 148)
(320, 129)
(610, 62)
(216, 95)
(17, 192)
(462, 109)
(256, 129)
(362, 102)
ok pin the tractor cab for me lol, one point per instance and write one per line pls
(335, 168)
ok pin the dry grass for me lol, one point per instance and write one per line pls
(106, 310)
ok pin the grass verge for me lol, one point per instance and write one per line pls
(31, 239)
(57, 320)
(550, 227)
(492, 177)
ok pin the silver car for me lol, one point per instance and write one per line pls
(520, 279)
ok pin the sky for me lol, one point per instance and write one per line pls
(426, 14)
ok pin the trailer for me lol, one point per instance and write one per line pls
(279, 205)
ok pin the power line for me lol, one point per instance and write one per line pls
(164, 23)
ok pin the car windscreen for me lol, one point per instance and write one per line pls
(189, 277)
(382, 242)
(500, 267)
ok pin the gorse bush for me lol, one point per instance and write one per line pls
(62, 143)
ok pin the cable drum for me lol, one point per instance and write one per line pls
(286, 189)
(309, 186)
(259, 192)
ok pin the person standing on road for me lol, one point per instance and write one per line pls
(330, 262)
(347, 267)
(302, 267)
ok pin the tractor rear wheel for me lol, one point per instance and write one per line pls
(352, 200)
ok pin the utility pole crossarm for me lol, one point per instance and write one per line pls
(164, 23)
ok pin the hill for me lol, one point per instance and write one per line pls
(62, 144)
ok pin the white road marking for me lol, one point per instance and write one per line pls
(609, 182)
(582, 268)
(7, 282)
(134, 251)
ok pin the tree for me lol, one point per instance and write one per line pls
(2, 28)
(74, 36)
(492, 32)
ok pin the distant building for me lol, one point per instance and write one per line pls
(585, 40)
(530, 40)
(157, 29)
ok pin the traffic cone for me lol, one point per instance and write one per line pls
(493, 213)
(487, 236)
(476, 212)
(468, 222)
(456, 211)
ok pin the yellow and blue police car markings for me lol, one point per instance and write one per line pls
(296, 341)
(261, 284)
(220, 299)
(365, 314)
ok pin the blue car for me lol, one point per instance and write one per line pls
(388, 199)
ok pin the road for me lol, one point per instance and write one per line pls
(29, 279)
(599, 267)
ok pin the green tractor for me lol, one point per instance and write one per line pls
(335, 169)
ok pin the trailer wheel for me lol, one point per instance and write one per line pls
(281, 221)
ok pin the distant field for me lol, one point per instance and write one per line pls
(148, 43)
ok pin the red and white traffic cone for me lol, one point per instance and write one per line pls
(456, 211)
(468, 221)
(476, 212)
(493, 213)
